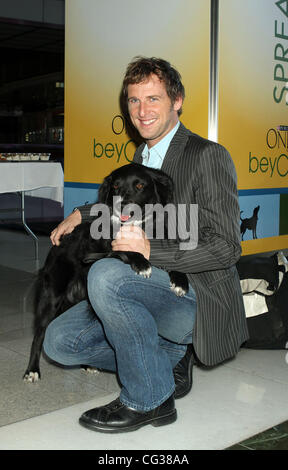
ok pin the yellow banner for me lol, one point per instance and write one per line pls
(101, 39)
(253, 98)
(253, 84)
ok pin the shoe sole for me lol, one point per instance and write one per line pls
(161, 421)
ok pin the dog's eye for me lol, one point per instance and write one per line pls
(139, 185)
(115, 186)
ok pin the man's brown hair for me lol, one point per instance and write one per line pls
(140, 70)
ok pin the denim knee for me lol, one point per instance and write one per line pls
(104, 278)
(54, 344)
(50, 342)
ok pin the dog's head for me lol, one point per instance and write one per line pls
(133, 187)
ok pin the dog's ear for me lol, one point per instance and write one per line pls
(104, 190)
(164, 187)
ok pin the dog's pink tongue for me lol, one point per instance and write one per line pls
(124, 218)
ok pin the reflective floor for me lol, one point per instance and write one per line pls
(242, 404)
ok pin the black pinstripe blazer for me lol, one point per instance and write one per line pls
(204, 174)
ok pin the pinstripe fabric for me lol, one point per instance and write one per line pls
(204, 174)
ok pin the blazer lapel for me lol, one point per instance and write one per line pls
(176, 147)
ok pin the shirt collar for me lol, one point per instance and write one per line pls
(161, 147)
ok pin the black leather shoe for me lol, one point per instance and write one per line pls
(116, 417)
(183, 374)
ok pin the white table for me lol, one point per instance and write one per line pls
(41, 179)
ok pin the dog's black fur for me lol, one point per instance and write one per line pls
(61, 282)
(250, 224)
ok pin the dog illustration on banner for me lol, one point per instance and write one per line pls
(250, 223)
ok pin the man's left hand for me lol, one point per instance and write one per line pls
(132, 238)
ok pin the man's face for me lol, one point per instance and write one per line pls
(151, 110)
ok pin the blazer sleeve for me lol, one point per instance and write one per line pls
(85, 212)
(212, 185)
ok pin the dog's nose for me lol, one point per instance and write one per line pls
(127, 198)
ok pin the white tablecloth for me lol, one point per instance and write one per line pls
(41, 179)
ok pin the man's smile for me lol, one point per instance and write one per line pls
(147, 122)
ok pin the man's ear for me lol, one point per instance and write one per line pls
(178, 103)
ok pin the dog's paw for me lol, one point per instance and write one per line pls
(178, 290)
(178, 283)
(145, 272)
(140, 265)
(143, 269)
(137, 262)
(31, 377)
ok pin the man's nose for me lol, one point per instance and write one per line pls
(142, 109)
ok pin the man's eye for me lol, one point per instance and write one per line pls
(132, 100)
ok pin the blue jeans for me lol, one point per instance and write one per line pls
(141, 330)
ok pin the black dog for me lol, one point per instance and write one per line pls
(250, 224)
(61, 282)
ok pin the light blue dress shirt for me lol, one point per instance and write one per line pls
(153, 157)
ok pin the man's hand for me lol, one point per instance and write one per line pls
(66, 226)
(132, 238)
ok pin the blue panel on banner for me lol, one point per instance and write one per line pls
(251, 192)
(78, 196)
(267, 221)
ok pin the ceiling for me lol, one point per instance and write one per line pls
(32, 61)
(30, 36)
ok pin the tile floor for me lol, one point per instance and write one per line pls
(238, 405)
